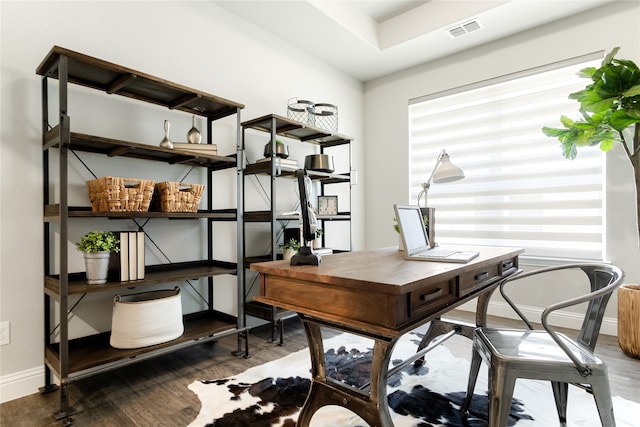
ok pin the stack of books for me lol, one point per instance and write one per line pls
(210, 149)
(323, 251)
(128, 264)
(286, 164)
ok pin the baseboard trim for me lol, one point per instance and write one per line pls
(560, 318)
(20, 384)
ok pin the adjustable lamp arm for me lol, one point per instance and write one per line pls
(427, 185)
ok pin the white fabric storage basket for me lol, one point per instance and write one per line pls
(146, 318)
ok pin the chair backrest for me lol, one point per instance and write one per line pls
(603, 278)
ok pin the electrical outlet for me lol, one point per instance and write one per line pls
(5, 333)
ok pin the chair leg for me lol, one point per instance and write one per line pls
(281, 323)
(602, 396)
(560, 394)
(476, 361)
(501, 385)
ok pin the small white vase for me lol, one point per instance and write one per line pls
(97, 267)
(287, 254)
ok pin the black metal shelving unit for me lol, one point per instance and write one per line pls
(275, 125)
(72, 359)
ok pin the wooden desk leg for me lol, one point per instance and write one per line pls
(372, 408)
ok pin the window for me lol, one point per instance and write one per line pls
(519, 190)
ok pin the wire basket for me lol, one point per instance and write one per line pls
(298, 110)
(324, 116)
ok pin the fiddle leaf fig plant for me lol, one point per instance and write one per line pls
(610, 110)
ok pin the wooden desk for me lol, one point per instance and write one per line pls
(380, 295)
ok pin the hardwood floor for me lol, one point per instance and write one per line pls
(155, 393)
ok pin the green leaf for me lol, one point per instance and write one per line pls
(632, 91)
(569, 151)
(607, 59)
(607, 144)
(594, 102)
(566, 121)
(553, 132)
(586, 72)
(620, 120)
(627, 63)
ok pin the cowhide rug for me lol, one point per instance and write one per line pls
(272, 394)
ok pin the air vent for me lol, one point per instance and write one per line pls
(466, 28)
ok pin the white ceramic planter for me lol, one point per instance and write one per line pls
(287, 254)
(97, 267)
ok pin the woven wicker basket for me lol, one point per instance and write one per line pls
(113, 194)
(177, 197)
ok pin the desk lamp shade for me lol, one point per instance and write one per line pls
(447, 171)
(443, 171)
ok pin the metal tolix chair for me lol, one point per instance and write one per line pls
(545, 354)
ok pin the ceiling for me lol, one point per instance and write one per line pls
(369, 39)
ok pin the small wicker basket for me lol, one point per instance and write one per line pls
(177, 197)
(113, 194)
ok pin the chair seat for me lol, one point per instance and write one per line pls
(532, 346)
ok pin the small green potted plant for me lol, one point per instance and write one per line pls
(317, 242)
(96, 247)
(290, 248)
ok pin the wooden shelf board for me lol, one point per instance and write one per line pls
(259, 258)
(93, 351)
(95, 73)
(296, 130)
(265, 216)
(264, 168)
(114, 148)
(154, 275)
(52, 212)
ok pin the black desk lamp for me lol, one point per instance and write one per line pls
(305, 255)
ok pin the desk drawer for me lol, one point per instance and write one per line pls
(474, 280)
(431, 297)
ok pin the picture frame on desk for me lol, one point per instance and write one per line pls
(327, 205)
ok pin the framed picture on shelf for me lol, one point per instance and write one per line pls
(327, 205)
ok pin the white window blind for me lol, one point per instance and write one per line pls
(519, 190)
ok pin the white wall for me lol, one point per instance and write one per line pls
(195, 44)
(386, 122)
